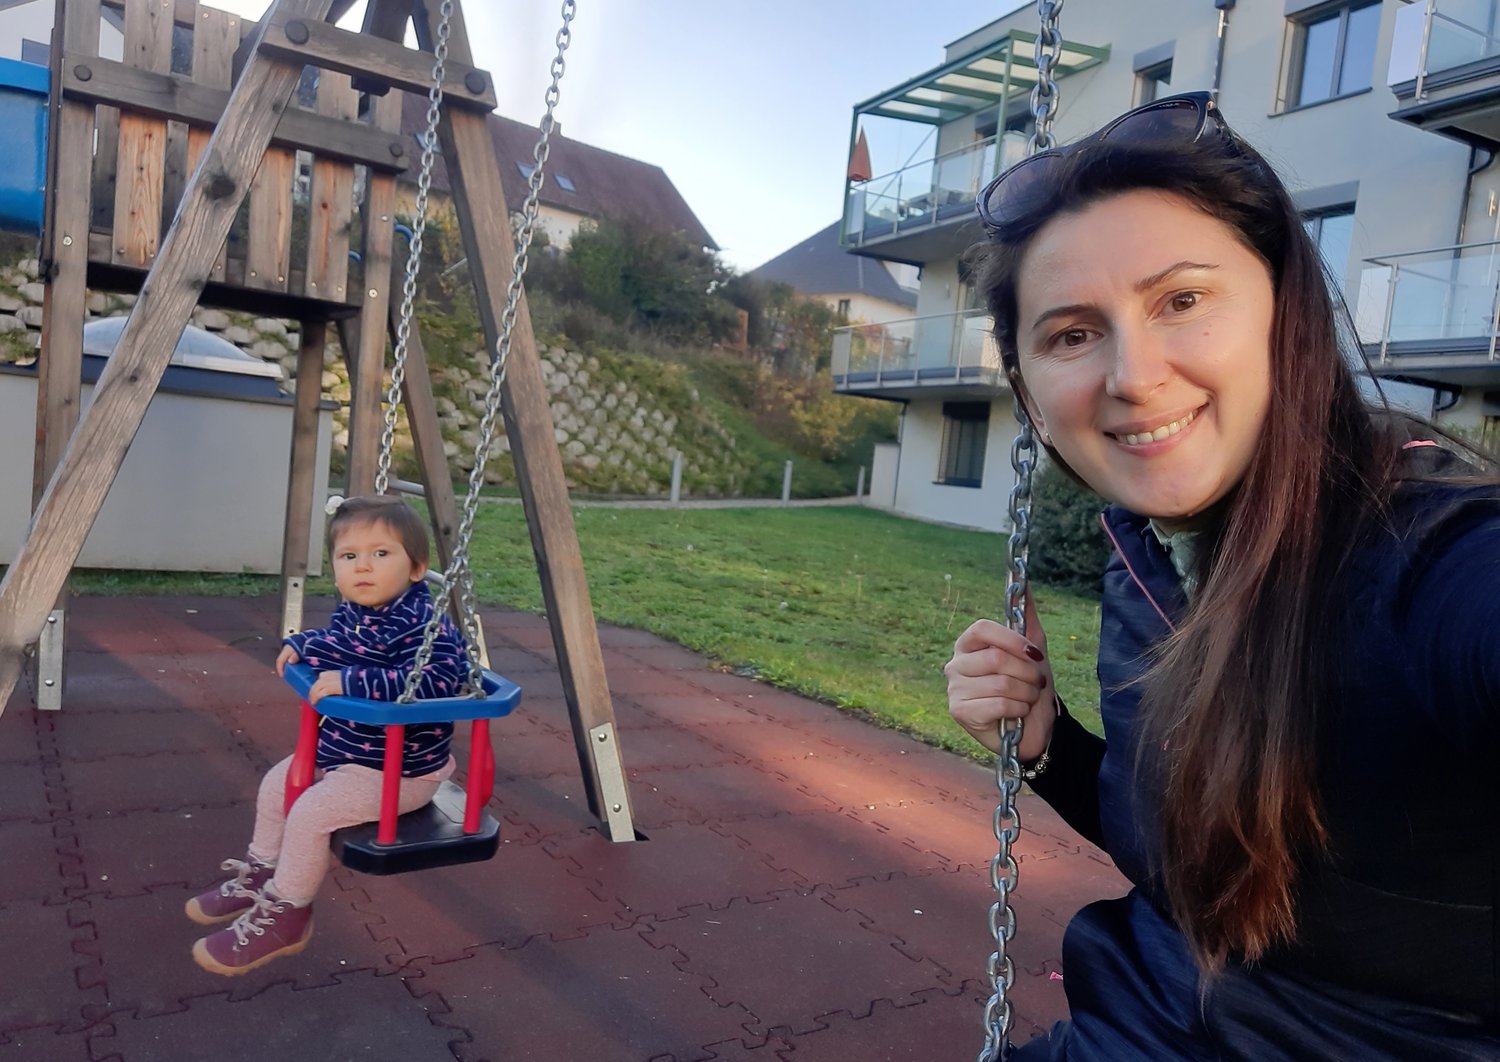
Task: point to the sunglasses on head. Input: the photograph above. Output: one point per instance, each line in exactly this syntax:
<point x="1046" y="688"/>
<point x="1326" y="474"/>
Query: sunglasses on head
<point x="1173" y="120"/>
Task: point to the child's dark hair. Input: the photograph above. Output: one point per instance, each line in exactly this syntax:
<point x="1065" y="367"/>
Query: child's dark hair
<point x="401" y="518"/>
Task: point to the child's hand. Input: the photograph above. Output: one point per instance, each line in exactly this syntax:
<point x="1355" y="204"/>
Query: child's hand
<point x="327" y="684"/>
<point x="288" y="655"/>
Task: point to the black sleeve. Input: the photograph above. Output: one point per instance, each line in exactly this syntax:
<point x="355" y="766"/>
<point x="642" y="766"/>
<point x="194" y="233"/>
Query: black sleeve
<point x="1071" y="781"/>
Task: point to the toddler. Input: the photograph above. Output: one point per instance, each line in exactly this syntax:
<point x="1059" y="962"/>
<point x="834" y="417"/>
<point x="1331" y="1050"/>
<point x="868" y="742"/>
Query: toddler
<point x="378" y="547"/>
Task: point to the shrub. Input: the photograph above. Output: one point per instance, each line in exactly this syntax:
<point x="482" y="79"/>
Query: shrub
<point x="1068" y="546"/>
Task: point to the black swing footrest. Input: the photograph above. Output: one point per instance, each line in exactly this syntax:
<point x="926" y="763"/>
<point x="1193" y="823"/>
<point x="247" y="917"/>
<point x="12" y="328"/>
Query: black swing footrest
<point x="431" y="836"/>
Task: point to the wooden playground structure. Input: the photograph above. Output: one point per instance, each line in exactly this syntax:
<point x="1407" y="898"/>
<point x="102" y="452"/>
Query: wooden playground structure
<point x="208" y="167"/>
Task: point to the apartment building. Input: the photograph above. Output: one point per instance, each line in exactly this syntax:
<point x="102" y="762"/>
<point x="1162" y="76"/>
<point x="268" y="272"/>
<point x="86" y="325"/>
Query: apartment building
<point x="1382" y="116"/>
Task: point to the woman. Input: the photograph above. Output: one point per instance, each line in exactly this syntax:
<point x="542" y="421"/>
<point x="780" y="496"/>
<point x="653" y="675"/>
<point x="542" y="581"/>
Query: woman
<point x="1299" y="655"/>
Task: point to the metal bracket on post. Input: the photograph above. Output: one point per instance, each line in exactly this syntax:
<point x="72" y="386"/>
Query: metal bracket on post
<point x="291" y="607"/>
<point x="611" y="774"/>
<point x="49" y="664"/>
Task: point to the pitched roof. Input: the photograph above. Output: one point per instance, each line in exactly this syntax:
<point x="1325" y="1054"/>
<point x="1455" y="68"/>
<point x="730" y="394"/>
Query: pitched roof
<point x="605" y="185"/>
<point x="820" y="266"/>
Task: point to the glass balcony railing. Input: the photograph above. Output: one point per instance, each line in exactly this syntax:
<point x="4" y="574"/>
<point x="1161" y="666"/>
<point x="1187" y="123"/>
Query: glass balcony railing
<point x="928" y="192"/>
<point x="1441" y="35"/>
<point x="936" y="348"/>
<point x="1445" y="300"/>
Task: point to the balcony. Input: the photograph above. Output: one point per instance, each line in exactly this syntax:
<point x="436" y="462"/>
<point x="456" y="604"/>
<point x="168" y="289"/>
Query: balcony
<point x="942" y="356"/>
<point x="1445" y="69"/>
<point x="924" y="211"/>
<point x="1433" y="317"/>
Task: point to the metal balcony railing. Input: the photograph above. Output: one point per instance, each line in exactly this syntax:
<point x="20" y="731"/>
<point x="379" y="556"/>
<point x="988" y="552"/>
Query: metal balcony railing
<point x="1439" y="35"/>
<point x="933" y="348"/>
<point x="1442" y="300"/>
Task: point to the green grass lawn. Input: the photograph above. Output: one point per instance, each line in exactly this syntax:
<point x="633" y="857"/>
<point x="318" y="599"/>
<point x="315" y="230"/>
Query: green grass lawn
<point x="849" y="605"/>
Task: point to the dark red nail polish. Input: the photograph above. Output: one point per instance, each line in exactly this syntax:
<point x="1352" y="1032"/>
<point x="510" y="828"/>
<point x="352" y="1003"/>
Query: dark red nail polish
<point x="1035" y="653"/>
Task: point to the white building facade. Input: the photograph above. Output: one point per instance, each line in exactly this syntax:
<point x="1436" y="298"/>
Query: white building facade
<point x="1383" y="117"/>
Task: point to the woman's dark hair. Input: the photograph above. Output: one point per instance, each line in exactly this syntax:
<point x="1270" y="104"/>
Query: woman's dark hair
<point x="394" y="513"/>
<point x="1229" y="705"/>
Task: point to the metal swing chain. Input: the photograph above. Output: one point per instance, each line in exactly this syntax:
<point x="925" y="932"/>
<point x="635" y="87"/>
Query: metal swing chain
<point x="414" y="247"/>
<point x="458" y="576"/>
<point x="1004" y="874"/>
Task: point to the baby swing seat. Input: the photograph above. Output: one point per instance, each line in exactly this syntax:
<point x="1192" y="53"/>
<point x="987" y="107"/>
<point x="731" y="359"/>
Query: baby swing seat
<point x="454" y="828"/>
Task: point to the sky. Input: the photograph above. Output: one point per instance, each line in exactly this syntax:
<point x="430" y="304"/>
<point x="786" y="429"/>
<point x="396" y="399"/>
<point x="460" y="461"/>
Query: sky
<point x="746" y="106"/>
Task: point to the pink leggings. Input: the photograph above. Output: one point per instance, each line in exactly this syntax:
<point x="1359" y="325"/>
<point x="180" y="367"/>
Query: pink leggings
<point x="342" y="796"/>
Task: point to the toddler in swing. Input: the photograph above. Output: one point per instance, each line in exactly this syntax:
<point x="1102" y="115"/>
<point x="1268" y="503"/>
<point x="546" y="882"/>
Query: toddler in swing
<point x="379" y="552"/>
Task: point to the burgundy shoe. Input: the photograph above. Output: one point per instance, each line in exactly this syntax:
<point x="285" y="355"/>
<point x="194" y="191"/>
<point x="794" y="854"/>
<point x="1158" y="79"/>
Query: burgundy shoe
<point x="234" y="897"/>
<point x="272" y="928"/>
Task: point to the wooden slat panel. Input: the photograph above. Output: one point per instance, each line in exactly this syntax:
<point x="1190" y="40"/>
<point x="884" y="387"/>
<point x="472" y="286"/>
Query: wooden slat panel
<point x="216" y="34"/>
<point x="485" y="223"/>
<point x="302" y="475"/>
<point x="166" y="97"/>
<point x="331" y="200"/>
<point x="97" y="448"/>
<point x="427" y="439"/>
<point x="269" y="257"/>
<point x="366" y="371"/>
<point x="140" y="174"/>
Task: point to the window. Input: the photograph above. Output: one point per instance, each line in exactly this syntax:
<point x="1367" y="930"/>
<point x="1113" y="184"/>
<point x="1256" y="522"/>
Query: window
<point x="564" y="182"/>
<point x="1333" y="230"/>
<point x="966" y="426"/>
<point x="843" y="310"/>
<point x="1333" y="53"/>
<point x="35" y="52"/>
<point x="1153" y="83"/>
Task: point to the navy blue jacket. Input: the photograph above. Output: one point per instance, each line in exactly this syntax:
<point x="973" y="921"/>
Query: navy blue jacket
<point x="374" y="650"/>
<point x="1398" y="948"/>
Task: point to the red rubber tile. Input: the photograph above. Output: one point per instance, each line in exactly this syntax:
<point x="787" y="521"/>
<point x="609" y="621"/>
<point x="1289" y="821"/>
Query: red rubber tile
<point x="755" y="952"/>
<point x="523" y="892"/>
<point x="33" y="870"/>
<point x="144" y="944"/>
<point x="697" y="709"/>
<point x="641" y="684"/>
<point x="857" y="782"/>
<point x="102" y="734"/>
<point x="534" y="752"/>
<point x="24" y="792"/>
<point x="666" y="655"/>
<point x="607" y="996"/>
<point x="22" y="729"/>
<point x="538" y="808"/>
<point x="121" y="784"/>
<point x="667" y="747"/>
<point x="936" y="1027"/>
<point x="130" y="854"/>
<point x="53" y="992"/>
<point x="46" y="1043"/>
<point x="733" y="792"/>
<point x="679" y="867"/>
<point x="833" y="848"/>
<point x="360" y="1016"/>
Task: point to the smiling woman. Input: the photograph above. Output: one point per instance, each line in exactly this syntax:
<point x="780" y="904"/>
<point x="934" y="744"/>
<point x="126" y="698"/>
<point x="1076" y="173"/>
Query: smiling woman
<point x="1298" y="577"/>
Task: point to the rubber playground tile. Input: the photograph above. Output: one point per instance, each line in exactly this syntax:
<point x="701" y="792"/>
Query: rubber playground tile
<point x="360" y="1015"/>
<point x="534" y="752"/>
<point x="953" y="833"/>
<point x="732" y="791"/>
<point x="88" y="690"/>
<point x="539" y="808"/>
<point x="46" y="1043"/>
<point x="22" y="729"/>
<point x="130" y="854"/>
<point x="34" y="871"/>
<point x="768" y="742"/>
<point x="24" y="792"/>
<point x="943" y="917"/>
<point x="666" y="747"/>
<point x="833" y="848"/>
<point x="523" y="892"/>
<point x="268" y="726"/>
<point x="161" y="782"/>
<point x="47" y="965"/>
<point x="696" y="709"/>
<point x="856" y="782"/>
<point x="144" y="944"/>
<point x="103" y="735"/>
<point x="937" y="1026"/>
<point x="681" y="866"/>
<point x="753" y="952"/>
<point x="641" y="684"/>
<point x="667" y="656"/>
<point x="608" y="995"/>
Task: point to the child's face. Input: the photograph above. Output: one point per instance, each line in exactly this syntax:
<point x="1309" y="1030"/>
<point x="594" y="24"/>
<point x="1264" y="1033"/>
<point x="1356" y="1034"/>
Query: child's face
<point x="370" y="566"/>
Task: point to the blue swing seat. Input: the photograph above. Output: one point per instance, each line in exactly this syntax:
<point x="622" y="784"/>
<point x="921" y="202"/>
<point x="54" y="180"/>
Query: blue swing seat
<point x="433" y="835"/>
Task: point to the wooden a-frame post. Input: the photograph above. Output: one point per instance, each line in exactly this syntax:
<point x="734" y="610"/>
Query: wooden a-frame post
<point x="292" y="34"/>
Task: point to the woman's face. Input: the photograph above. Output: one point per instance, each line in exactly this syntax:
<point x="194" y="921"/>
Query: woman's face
<point x="1144" y="331"/>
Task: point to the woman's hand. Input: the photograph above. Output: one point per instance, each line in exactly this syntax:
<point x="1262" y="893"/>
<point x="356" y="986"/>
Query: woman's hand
<point x="288" y="655"/>
<point x="996" y="674"/>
